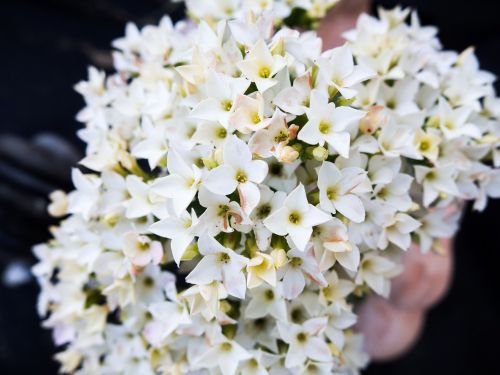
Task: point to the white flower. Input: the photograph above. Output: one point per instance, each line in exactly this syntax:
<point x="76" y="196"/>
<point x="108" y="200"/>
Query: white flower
<point x="296" y="218"/>
<point x="338" y="190"/>
<point x="267" y="300"/>
<point x="295" y="99"/>
<point x="261" y="268"/>
<point x="300" y="264"/>
<point x="255" y="365"/>
<point x="167" y="316"/>
<point x="141" y="202"/>
<point x="204" y="299"/>
<point x="260" y="66"/>
<point x="154" y="147"/>
<point x="436" y="181"/>
<point x="249" y="113"/>
<point x="238" y="171"/>
<point x="181" y="184"/>
<point x="219" y="264"/>
<point x="219" y="212"/>
<point x="376" y="271"/>
<point x="224" y="355"/>
<point x="396" y="193"/>
<point x="181" y="230"/>
<point x="221" y="92"/>
<point x="141" y="250"/>
<point x="398" y="231"/>
<point x="272" y="140"/>
<point x="305" y="341"/>
<point x="269" y="202"/>
<point x="86" y="195"/>
<point x="436" y="224"/>
<point x="328" y="123"/>
<point x="337" y="67"/>
<point x="453" y="122"/>
<point x="331" y="244"/>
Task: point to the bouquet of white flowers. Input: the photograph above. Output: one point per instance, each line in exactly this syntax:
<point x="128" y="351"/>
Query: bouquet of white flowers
<point x="243" y="190"/>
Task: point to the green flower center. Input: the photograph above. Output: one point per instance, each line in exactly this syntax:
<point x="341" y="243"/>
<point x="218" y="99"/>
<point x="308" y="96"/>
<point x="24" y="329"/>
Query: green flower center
<point x="224" y="258"/>
<point x="301" y="337"/>
<point x="226" y="105"/>
<point x="294" y="218"/>
<point x="264" y="72"/>
<point x="241" y="177"/>
<point x="324" y="127"/>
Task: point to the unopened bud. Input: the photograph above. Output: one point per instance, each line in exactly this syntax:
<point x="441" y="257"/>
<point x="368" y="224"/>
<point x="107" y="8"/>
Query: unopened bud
<point x="59" y="203"/>
<point x="373" y="120"/>
<point x="279" y="257"/>
<point x="320" y="153"/>
<point x="218" y="156"/>
<point x="288" y="155"/>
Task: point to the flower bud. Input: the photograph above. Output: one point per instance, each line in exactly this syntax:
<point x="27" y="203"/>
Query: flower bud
<point x="59" y="203"/>
<point x="320" y="153"/>
<point x="279" y="257"/>
<point x="288" y="154"/>
<point x="373" y="120"/>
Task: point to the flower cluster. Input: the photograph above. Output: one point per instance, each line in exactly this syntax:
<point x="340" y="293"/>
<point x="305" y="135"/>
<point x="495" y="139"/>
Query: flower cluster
<point x="242" y="190"/>
<point x="305" y="13"/>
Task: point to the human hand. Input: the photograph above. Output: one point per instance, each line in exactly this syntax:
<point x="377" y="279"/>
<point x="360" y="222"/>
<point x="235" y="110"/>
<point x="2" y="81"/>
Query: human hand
<point x="341" y="18"/>
<point x="391" y="326"/>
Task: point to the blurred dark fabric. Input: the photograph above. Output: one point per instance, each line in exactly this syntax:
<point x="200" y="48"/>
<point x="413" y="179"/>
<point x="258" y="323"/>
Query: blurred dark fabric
<point x="46" y="48"/>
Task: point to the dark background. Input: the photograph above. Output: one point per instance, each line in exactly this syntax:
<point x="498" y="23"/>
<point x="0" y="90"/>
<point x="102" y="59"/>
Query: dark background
<point x="46" y="46"/>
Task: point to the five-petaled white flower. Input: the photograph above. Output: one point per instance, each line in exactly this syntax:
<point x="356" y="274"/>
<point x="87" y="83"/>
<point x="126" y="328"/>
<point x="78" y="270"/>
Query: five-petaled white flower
<point x="339" y="190"/>
<point x="238" y="171"/>
<point x="141" y="250"/>
<point x="305" y="341"/>
<point x="181" y="230"/>
<point x="181" y="184"/>
<point x="296" y="218"/>
<point x="219" y="263"/>
<point x="338" y="69"/>
<point x="225" y="355"/>
<point x="328" y="123"/>
<point x="260" y="66"/>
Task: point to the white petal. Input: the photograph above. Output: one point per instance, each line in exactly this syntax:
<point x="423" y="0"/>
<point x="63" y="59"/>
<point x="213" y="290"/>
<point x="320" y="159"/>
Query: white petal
<point x="351" y="207"/>
<point x="236" y="151"/>
<point x="297" y="200"/>
<point x="349" y="259"/>
<point x="340" y="142"/>
<point x="300" y="236"/>
<point x="257" y="171"/>
<point x="205" y="271"/>
<point x="315" y="216"/>
<point x="221" y="180"/>
<point x="179" y="245"/>
<point x="209" y="245"/>
<point x="234" y="281"/>
<point x="249" y="196"/>
<point x="310" y="133"/>
<point x="277" y="221"/>
<point x="176" y="165"/>
<point x="293" y="283"/>
<point x="168" y="228"/>
<point x="317" y="349"/>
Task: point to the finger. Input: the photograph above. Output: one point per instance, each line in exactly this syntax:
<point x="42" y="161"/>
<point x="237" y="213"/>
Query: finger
<point x="388" y="331"/>
<point x="425" y="280"/>
<point x="341" y="18"/>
